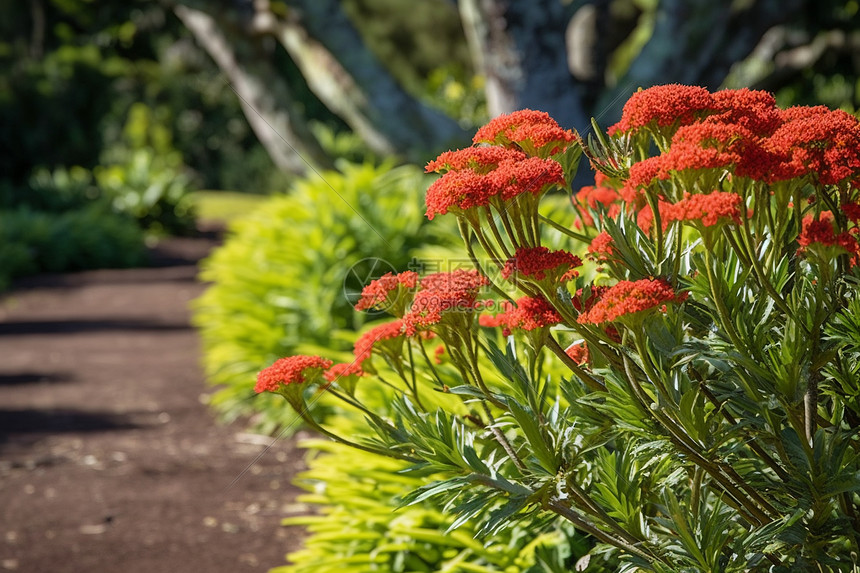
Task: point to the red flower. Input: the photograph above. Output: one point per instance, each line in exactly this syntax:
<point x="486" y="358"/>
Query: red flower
<point x="384" y="291"/>
<point x="535" y="132"/>
<point x="438" y="353"/>
<point x="817" y="140"/>
<point x="707" y="145"/>
<point x="600" y="250"/>
<point x="459" y="190"/>
<point x="707" y="209"/>
<point x="343" y="370"/>
<point x="591" y="196"/>
<point x="534" y="175"/>
<point x="578" y="353"/>
<point x="598" y="194"/>
<point x="645" y="216"/>
<point x="364" y="346"/>
<point x="493" y="321"/>
<point x="585" y="304"/>
<point x="532" y="313"/>
<point x="852" y="211"/>
<point x="441" y="293"/>
<point x="642" y="173"/>
<point x="462" y="190"/>
<point x="754" y="110"/>
<point x="537" y="262"/>
<point x="630" y="297"/>
<point x="478" y="159"/>
<point x="291" y="370"/>
<point x="529" y="313"/>
<point x="663" y="106"/>
<point x="821" y="231"/>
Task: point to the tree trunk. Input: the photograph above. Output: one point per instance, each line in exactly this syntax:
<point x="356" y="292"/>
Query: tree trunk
<point x="519" y="46"/>
<point x="353" y="84"/>
<point x="696" y="42"/>
<point x="265" y="98"/>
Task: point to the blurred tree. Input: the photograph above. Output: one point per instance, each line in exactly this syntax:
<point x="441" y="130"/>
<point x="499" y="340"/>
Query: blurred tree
<point x="338" y="66"/>
<point x="574" y="59"/>
<point x="70" y="70"/>
<point x="256" y="86"/>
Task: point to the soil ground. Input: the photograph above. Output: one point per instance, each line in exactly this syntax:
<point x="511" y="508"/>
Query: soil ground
<point x="109" y="459"/>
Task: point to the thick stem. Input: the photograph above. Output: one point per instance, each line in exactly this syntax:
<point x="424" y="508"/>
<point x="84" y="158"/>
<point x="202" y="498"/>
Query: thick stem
<point x="566" y="512"/>
<point x="303" y="413"/>
<point x="502" y="440"/>
<point x="590" y="381"/>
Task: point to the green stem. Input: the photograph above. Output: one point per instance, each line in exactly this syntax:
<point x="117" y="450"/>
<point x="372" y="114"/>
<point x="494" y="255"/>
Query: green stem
<point x="303" y="413"/>
<point x="695" y="489"/>
<point x="414" y="386"/>
<point x="589" y="380"/>
<point x="430" y="363"/>
<point x="722" y="311"/>
<point x="768" y="459"/>
<point x="597" y="511"/>
<point x="491" y="222"/>
<point x="562" y="229"/>
<point x="502" y="440"/>
<point x="557" y="506"/>
<point x="465" y="232"/>
<point x="645" y="356"/>
<point x="746" y="240"/>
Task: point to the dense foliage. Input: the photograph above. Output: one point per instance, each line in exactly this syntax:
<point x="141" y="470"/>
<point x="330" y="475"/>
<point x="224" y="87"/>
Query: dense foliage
<point x="708" y="418"/>
<point x="32" y="242"/>
<point x="358" y="526"/>
<point x="287" y="275"/>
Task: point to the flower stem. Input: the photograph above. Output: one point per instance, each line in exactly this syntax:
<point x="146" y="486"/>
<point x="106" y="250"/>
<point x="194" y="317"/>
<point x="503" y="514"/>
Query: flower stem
<point x="589" y="380"/>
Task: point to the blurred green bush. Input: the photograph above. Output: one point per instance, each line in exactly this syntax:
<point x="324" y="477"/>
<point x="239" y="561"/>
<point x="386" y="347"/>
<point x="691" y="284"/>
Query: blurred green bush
<point x="144" y="176"/>
<point x="286" y="277"/>
<point x="87" y="238"/>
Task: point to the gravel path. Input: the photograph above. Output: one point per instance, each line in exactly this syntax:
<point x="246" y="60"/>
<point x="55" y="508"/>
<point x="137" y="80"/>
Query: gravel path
<point x="109" y="460"/>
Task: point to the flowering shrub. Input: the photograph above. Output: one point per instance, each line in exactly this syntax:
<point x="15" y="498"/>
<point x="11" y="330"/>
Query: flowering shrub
<point x="706" y="314"/>
<point x="267" y="298"/>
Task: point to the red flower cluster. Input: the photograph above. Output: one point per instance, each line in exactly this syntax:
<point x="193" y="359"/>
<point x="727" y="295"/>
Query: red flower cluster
<point x="383" y="292"/>
<point x="343" y="370"/>
<point x="708" y="209"/>
<point x="817" y="140"/>
<point x="290" y="370"/>
<point x="479" y="159"/>
<point x="630" y="297"/>
<point x="364" y="345"/>
<point x="821" y="231"/>
<point x="441" y="293"/>
<point x="851" y="211"/>
<point x="601" y="193"/>
<point x="578" y="353"/>
<point x="466" y="188"/>
<point x="600" y="250"/>
<point x="663" y="106"/>
<point x="538" y="262"/>
<point x="438" y="354"/>
<point x="707" y="145"/>
<point x="743" y="132"/>
<point x="535" y="132"/>
<point x="585" y="303"/>
<point x="530" y="313"/>
<point x="754" y="110"/>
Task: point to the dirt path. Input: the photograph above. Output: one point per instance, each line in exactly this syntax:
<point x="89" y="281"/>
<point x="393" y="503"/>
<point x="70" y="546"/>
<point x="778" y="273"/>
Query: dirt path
<point x="109" y="461"/>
